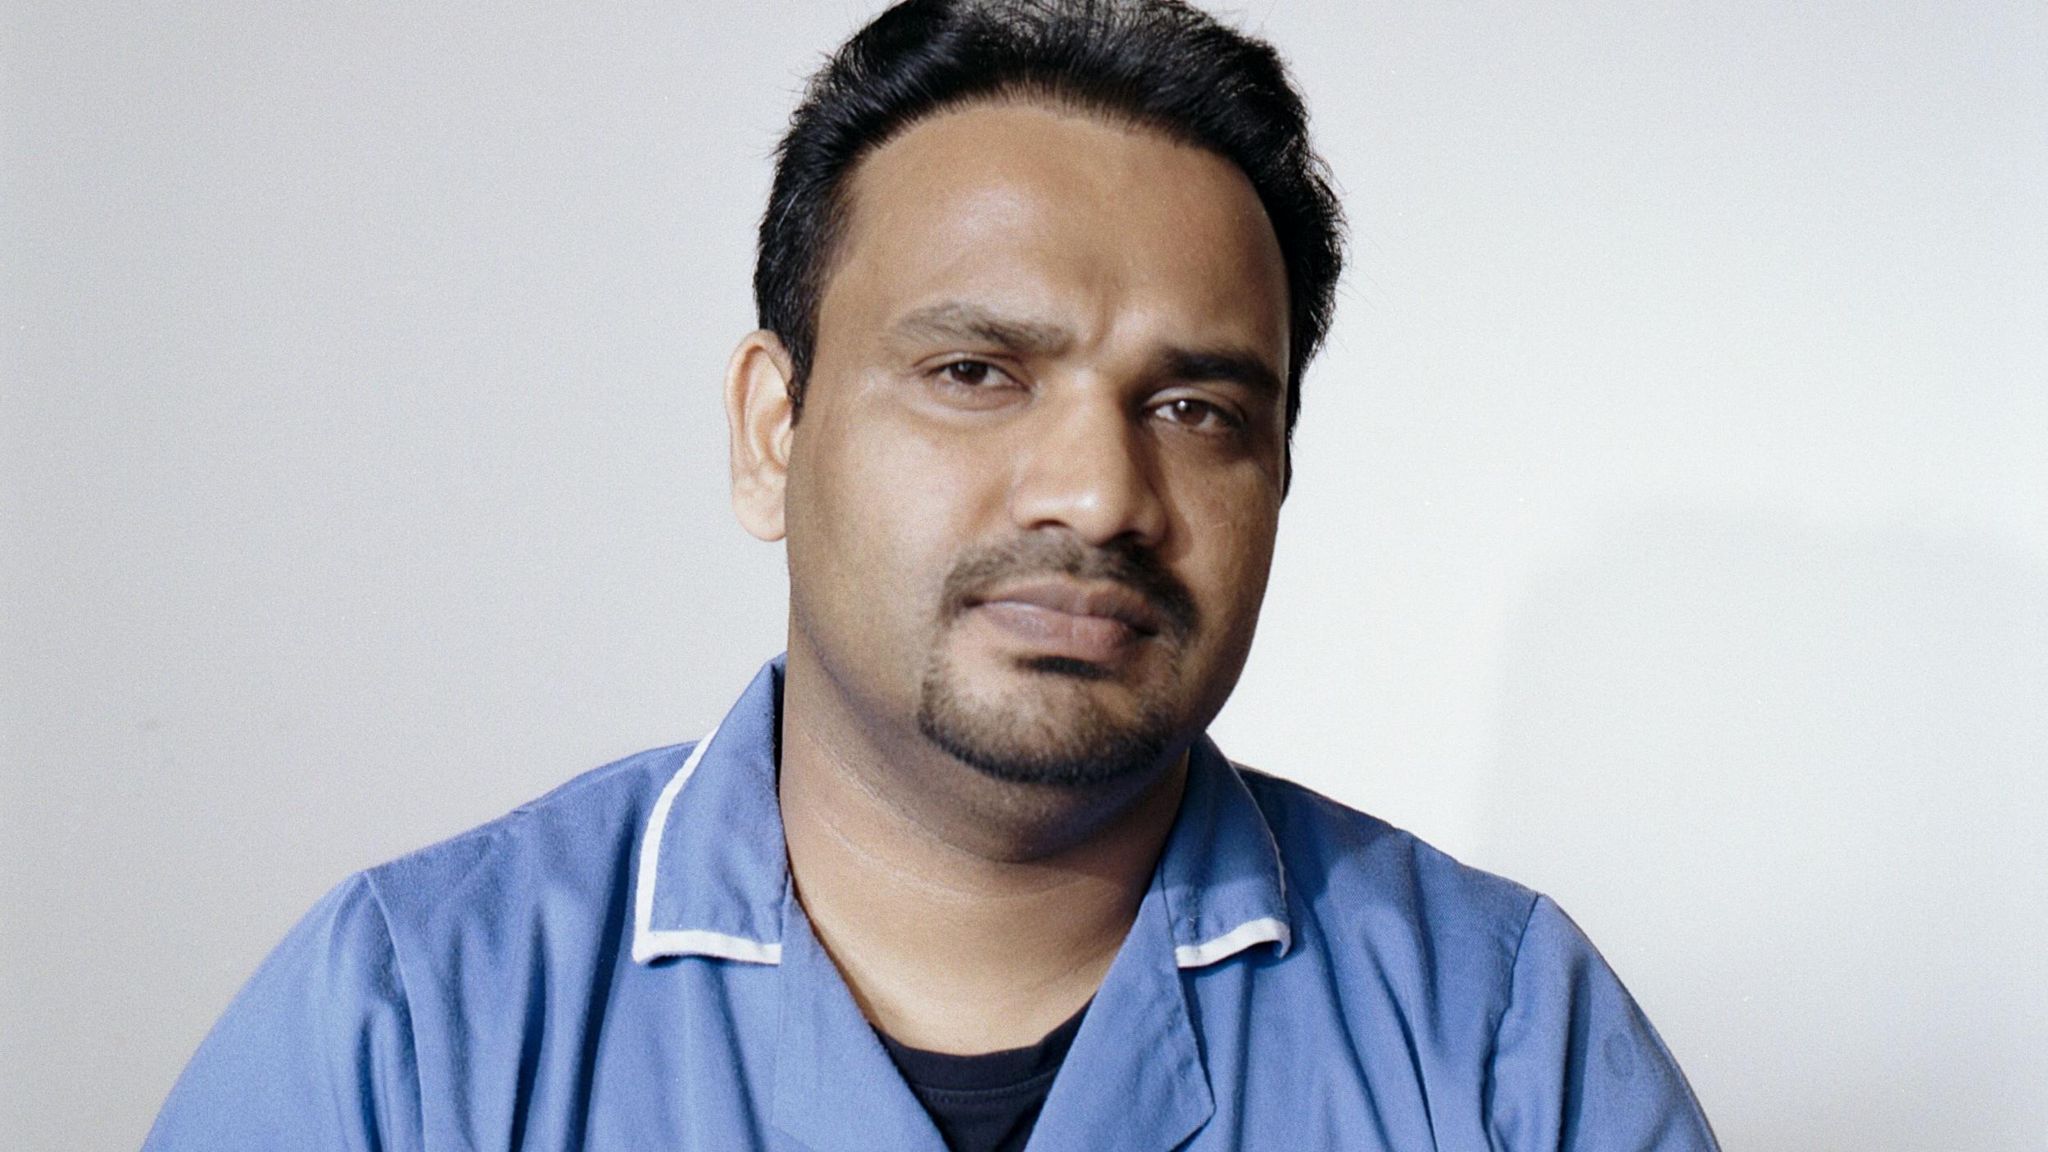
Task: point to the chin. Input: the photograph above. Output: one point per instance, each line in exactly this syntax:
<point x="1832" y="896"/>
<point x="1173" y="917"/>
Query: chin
<point x="1052" y="730"/>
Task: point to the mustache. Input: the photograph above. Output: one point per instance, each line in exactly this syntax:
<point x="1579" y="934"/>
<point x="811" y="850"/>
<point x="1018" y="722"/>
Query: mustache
<point x="1132" y="565"/>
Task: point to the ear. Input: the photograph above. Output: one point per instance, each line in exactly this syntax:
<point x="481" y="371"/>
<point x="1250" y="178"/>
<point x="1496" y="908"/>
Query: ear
<point x="759" y="416"/>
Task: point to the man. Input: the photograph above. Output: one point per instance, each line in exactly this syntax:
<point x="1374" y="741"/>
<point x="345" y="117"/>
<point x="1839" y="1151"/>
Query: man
<point x="1037" y="284"/>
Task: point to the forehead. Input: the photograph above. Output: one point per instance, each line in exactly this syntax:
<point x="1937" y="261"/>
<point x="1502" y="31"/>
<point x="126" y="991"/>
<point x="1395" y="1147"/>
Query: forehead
<point x="1052" y="210"/>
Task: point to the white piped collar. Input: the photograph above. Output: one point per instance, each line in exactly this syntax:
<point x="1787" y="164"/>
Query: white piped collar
<point x="712" y="876"/>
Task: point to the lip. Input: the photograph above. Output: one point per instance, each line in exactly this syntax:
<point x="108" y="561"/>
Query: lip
<point x="1110" y="602"/>
<point x="1091" y="623"/>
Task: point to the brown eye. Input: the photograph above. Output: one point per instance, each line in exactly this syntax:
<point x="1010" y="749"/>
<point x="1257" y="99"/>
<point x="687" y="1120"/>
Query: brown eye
<point x="1195" y="414"/>
<point x="972" y="373"/>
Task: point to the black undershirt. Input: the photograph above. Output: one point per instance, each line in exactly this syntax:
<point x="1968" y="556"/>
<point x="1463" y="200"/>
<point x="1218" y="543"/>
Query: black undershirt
<point x="986" y="1102"/>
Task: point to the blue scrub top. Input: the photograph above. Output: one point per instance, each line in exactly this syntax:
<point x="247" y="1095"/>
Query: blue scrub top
<point x="622" y="964"/>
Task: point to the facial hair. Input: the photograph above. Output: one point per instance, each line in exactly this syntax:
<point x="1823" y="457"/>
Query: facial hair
<point x="1074" y="745"/>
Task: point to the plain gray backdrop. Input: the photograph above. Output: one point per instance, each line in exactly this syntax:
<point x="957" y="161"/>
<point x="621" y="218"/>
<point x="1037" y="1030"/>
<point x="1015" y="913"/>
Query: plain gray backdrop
<point x="1669" y="532"/>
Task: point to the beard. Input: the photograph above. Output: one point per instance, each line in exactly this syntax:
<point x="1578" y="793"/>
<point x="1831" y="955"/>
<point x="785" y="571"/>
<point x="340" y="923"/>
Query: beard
<point x="1062" y="736"/>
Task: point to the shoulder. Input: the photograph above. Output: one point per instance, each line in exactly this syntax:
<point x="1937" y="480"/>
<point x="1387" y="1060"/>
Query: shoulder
<point x="1367" y="886"/>
<point x="560" y="861"/>
<point x="369" y="984"/>
<point x="1514" y="996"/>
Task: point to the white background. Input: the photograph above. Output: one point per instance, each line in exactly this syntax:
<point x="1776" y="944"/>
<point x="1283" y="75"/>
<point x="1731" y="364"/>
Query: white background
<point x="1670" y="527"/>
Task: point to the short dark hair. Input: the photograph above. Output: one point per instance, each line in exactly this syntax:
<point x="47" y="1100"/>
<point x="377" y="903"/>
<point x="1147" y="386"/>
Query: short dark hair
<point x="1161" y="64"/>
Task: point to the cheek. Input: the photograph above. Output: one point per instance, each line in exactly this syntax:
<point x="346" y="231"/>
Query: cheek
<point x="1231" y="532"/>
<point x="885" y="509"/>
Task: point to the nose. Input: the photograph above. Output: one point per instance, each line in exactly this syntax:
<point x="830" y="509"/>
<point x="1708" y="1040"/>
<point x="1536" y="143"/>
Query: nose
<point x="1086" y="469"/>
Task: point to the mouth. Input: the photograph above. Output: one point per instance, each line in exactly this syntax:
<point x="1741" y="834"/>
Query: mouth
<point x="1112" y="603"/>
<point x="1090" y="622"/>
<point x="1044" y="602"/>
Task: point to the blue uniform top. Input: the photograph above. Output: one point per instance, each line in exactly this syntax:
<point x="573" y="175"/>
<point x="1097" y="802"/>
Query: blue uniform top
<point x="622" y="965"/>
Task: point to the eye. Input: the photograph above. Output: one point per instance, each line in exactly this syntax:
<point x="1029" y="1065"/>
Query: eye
<point x="973" y="384"/>
<point x="971" y="373"/>
<point x="1197" y="415"/>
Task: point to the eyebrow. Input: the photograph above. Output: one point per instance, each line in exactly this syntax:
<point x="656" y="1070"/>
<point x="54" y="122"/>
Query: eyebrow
<point x="956" y="321"/>
<point x="1225" y="365"/>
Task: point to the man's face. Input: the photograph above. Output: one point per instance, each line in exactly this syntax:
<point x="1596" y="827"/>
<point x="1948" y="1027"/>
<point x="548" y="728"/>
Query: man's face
<point x="1033" y="492"/>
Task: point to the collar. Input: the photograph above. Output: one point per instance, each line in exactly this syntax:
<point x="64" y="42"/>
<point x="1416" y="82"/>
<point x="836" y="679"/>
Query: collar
<point x="713" y="874"/>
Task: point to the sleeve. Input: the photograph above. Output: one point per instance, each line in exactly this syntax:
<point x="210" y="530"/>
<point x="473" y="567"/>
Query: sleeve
<point x="1576" y="1066"/>
<point x="315" y="1054"/>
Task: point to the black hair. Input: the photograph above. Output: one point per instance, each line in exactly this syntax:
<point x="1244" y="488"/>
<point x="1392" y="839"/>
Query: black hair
<point x="1160" y="64"/>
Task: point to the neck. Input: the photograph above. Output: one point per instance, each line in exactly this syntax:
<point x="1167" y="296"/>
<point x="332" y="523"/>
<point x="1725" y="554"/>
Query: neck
<point x="966" y="914"/>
